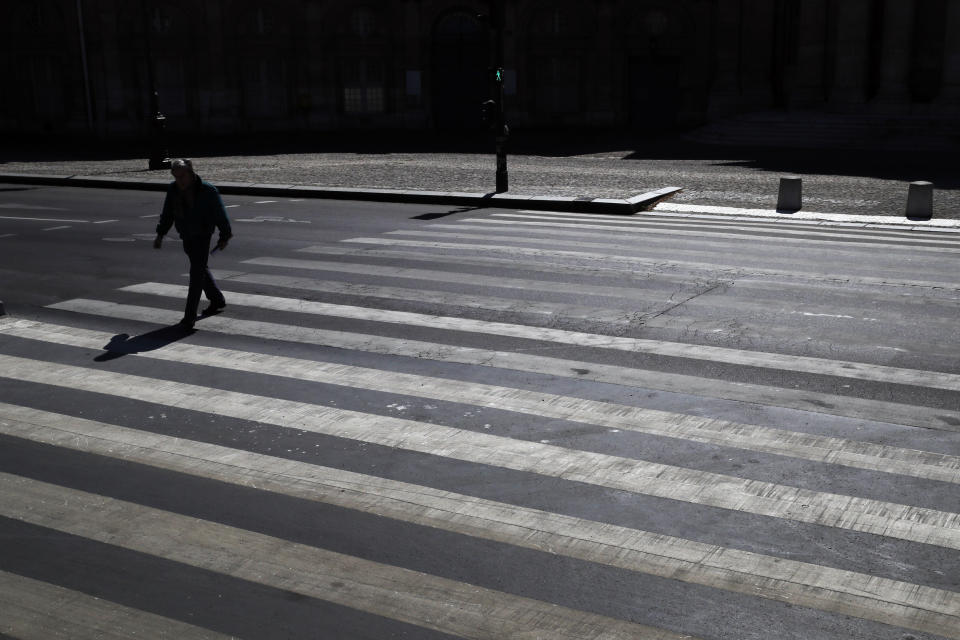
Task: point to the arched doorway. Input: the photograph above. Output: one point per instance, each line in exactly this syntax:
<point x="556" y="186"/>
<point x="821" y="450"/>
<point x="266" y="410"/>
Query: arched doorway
<point x="459" y="72"/>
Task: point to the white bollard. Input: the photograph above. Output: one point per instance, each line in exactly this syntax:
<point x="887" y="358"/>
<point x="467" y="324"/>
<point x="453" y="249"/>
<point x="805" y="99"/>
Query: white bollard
<point x="920" y="200"/>
<point x="790" y="197"/>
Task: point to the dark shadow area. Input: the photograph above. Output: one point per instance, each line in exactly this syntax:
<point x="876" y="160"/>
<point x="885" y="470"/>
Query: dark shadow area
<point x="122" y="344"/>
<point x="17" y="188"/>
<point x="444" y="214"/>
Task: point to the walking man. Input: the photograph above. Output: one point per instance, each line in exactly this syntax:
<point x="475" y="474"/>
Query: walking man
<point x="194" y="207"/>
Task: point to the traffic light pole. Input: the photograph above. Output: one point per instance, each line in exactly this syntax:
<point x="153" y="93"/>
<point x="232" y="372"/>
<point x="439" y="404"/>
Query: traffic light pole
<point x="502" y="131"/>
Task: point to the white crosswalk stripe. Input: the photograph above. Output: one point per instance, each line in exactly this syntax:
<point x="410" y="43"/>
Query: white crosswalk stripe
<point x="857" y="370"/>
<point x="36" y="610"/>
<point x="928" y="526"/>
<point x="835" y="450"/>
<point x="539" y="336"/>
<point x="436" y="297"/>
<point x="929" y="417"/>
<point x="722" y="231"/>
<point x="401" y="594"/>
<point x="629" y="262"/>
<point x="438" y="275"/>
<point x="810" y="585"/>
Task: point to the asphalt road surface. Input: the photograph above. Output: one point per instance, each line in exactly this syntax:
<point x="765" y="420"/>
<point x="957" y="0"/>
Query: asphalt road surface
<point x="430" y="422"/>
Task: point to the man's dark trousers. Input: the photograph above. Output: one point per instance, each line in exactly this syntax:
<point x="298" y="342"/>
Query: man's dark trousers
<point x="197" y="249"/>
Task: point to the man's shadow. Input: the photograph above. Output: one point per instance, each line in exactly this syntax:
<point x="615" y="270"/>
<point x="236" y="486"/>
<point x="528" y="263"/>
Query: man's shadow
<point x="122" y="344"/>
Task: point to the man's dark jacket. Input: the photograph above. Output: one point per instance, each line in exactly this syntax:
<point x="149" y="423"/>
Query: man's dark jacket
<point x="206" y="214"/>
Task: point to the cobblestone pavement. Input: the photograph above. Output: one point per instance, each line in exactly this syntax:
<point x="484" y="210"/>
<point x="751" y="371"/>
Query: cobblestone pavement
<point x="868" y="184"/>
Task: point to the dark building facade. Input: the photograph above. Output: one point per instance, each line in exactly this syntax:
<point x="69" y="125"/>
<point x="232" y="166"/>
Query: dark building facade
<point x="229" y="66"/>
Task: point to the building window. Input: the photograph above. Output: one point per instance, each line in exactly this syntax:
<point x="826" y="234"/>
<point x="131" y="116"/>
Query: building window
<point x="161" y="21"/>
<point x="265" y="90"/>
<point x="362" y="22"/>
<point x="558" y="83"/>
<point x="552" y="23"/>
<point x="258" y="22"/>
<point x="49" y="97"/>
<point x="36" y="17"/>
<point x="363" y="90"/>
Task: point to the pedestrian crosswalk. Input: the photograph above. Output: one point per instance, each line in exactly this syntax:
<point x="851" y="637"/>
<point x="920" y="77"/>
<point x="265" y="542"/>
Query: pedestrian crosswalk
<point x="512" y="425"/>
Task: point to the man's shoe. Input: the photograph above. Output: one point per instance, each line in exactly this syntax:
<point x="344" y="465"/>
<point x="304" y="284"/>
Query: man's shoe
<point x="187" y="323"/>
<point x="214" y="307"/>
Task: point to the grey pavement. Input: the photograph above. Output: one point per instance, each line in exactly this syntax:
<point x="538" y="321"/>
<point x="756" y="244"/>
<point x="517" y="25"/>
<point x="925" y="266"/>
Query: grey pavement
<point x="851" y="183"/>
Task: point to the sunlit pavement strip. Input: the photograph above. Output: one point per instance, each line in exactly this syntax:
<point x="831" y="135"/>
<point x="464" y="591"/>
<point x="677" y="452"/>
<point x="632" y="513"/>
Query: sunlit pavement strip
<point x="446" y="298"/>
<point x="806" y="215"/>
<point x="632" y="273"/>
<point x="575" y="231"/>
<point x="627" y="274"/>
<point x="620" y="244"/>
<point x="905" y="522"/>
<point x="632" y="289"/>
<point x="805" y="584"/>
<point x="901" y="414"/>
<point x="34" y="207"/>
<point x="618" y="262"/>
<point x="715" y="229"/>
<point x="637" y="306"/>
<point x="839" y="451"/>
<point x="43" y="219"/>
<point x="440" y="275"/>
<point x="805" y="364"/>
<point x="401" y="594"/>
<point x="35" y="610"/>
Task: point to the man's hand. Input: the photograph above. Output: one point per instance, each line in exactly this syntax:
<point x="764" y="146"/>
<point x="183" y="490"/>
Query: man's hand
<point x="222" y="244"/>
<point x="158" y="241"/>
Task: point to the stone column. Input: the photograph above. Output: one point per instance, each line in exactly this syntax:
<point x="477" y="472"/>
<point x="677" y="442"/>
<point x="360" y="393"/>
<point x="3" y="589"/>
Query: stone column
<point x="808" y="89"/>
<point x="725" y="93"/>
<point x="411" y="107"/>
<point x="695" y="78"/>
<point x="949" y="98"/>
<point x="848" y="92"/>
<point x="121" y="105"/>
<point x="211" y="86"/>
<point x="894" y="91"/>
<point x="600" y="86"/>
<point x="756" y="66"/>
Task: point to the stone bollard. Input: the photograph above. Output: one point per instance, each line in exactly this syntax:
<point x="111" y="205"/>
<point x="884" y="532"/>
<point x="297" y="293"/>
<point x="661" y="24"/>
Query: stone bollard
<point x="790" y="197"/>
<point x="920" y="200"/>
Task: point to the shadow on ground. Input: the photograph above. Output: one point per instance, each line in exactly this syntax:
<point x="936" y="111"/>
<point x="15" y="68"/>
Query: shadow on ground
<point x="122" y="344"/>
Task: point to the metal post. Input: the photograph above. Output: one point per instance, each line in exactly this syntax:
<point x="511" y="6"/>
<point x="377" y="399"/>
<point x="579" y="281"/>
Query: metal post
<point x="159" y="156"/>
<point x="502" y="133"/>
<point x="920" y="200"/>
<point x="790" y="195"/>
